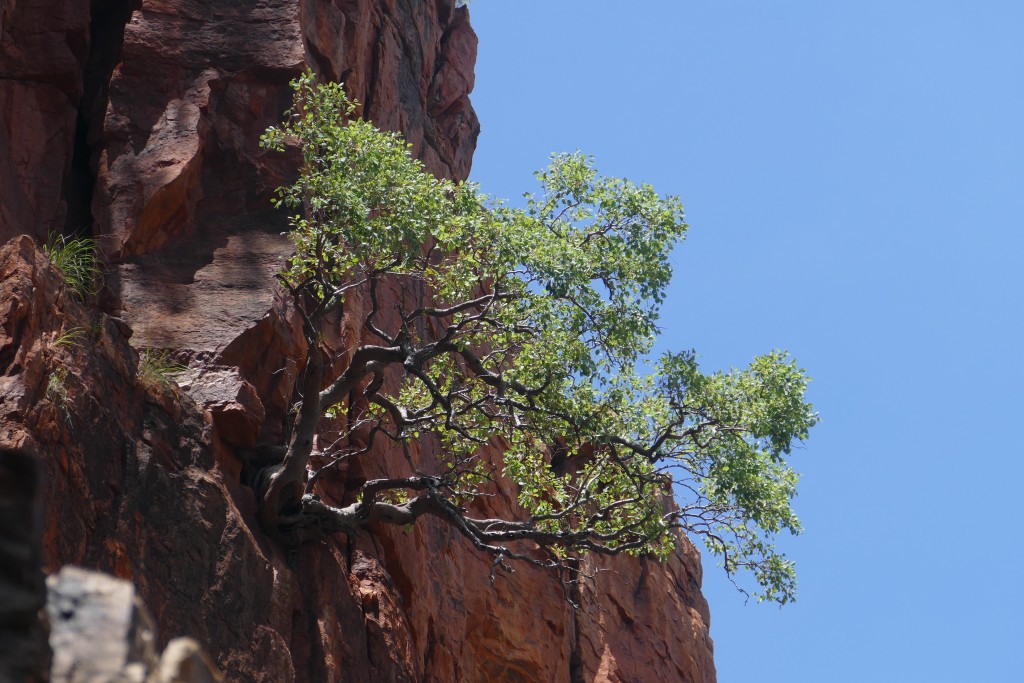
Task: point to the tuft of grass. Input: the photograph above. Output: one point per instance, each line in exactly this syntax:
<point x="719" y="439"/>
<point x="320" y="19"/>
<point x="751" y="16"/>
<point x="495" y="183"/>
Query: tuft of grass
<point x="69" y="339"/>
<point x="57" y="392"/>
<point x="56" y="386"/>
<point x="75" y="258"/>
<point x="57" y="383"/>
<point x="157" y="368"/>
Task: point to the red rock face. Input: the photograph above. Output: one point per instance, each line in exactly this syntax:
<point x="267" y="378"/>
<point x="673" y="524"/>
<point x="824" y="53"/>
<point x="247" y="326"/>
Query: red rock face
<point x="143" y="120"/>
<point x="43" y="50"/>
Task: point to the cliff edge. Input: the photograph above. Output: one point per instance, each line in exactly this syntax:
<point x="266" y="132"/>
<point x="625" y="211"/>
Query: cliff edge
<point x="137" y="122"/>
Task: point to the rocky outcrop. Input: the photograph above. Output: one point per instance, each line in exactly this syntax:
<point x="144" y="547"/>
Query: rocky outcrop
<point x="131" y="483"/>
<point x="102" y="633"/>
<point x="94" y="629"/>
<point x="141" y="119"/>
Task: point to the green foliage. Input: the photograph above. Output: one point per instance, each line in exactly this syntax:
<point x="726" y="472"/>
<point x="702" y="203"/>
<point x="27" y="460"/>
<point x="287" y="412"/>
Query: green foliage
<point x="75" y="258"/>
<point x="57" y="393"/>
<point x="56" y="386"/>
<point x="365" y="204"/>
<point x="70" y="338"/>
<point x="157" y="369"/>
<point x="531" y="328"/>
<point x="57" y="383"/>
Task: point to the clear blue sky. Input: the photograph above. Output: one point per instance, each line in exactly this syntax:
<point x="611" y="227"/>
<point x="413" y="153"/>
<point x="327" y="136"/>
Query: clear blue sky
<point x="853" y="174"/>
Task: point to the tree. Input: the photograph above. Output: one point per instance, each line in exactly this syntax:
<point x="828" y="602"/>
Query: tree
<point x="532" y="342"/>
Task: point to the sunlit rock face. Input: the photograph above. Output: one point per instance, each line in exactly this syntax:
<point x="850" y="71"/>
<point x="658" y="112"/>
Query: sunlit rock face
<point x="139" y="121"/>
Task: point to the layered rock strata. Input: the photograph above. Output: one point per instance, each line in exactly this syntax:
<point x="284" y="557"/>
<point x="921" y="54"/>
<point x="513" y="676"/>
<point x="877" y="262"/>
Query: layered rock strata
<point x="138" y="122"/>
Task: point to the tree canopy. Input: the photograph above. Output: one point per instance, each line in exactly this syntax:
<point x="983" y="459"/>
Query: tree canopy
<point x="532" y="338"/>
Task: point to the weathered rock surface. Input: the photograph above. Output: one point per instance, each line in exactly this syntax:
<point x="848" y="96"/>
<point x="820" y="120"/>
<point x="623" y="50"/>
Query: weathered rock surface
<point x="102" y="633"/>
<point x="154" y="142"/>
<point x="645" y="621"/>
<point x="184" y="661"/>
<point x="43" y="51"/>
<point x="131" y="482"/>
<point x="99" y="631"/>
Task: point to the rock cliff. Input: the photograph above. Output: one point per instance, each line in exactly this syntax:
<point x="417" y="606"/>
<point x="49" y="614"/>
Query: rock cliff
<point x="137" y="121"/>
